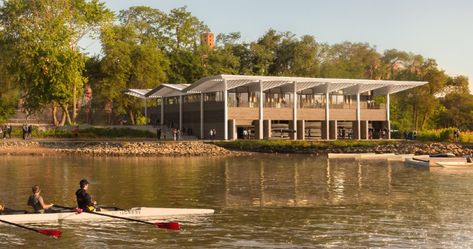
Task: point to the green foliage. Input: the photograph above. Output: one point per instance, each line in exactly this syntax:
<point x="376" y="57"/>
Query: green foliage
<point x="466" y="137"/>
<point x="447" y="135"/>
<point x="443" y="135"/>
<point x="144" y="47"/>
<point x="42" y="37"/>
<point x="115" y="133"/>
<point x="429" y="135"/>
<point x="68" y="132"/>
<point x="290" y="145"/>
<point x="132" y="60"/>
<point x="142" y="120"/>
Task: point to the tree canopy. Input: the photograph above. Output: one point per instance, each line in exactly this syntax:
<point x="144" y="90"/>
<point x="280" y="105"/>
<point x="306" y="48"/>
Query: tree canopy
<point x="143" y="47"/>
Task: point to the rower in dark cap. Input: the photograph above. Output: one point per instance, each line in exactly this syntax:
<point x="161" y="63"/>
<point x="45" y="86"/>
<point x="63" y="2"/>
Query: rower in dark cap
<point x="84" y="200"/>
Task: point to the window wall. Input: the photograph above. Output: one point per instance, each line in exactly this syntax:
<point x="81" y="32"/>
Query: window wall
<point x="311" y="101"/>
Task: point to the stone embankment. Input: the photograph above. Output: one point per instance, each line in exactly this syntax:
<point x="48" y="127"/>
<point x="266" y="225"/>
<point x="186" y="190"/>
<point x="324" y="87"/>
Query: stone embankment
<point x="400" y="147"/>
<point x="195" y="148"/>
<point x="408" y="148"/>
<point x="98" y="148"/>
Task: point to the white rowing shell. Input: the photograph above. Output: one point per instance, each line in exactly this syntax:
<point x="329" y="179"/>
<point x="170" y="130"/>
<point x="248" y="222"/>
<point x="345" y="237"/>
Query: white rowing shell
<point x="135" y="212"/>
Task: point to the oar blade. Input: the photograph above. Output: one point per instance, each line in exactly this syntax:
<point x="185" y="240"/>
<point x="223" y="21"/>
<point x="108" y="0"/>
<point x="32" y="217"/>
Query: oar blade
<point x="168" y="225"/>
<point x="50" y="232"/>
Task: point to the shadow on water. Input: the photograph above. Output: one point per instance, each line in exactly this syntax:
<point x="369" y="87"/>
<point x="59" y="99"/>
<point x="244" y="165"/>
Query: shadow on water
<point x="267" y="201"/>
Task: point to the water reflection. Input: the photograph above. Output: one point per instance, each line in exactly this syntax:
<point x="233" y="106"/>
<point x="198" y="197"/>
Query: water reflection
<point x="309" y="182"/>
<point x="275" y="201"/>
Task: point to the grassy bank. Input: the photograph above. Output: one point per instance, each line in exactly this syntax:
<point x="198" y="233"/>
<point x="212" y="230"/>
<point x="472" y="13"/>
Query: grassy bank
<point x="86" y="133"/>
<point x="289" y="145"/>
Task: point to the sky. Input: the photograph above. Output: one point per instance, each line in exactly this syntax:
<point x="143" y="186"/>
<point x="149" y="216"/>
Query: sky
<point x="438" y="29"/>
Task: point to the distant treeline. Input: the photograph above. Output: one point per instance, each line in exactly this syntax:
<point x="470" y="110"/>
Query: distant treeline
<point x="42" y="64"/>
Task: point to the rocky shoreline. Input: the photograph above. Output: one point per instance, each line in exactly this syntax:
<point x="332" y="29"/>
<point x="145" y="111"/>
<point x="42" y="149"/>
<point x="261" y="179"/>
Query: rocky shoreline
<point x="112" y="148"/>
<point x="397" y="147"/>
<point x="198" y="148"/>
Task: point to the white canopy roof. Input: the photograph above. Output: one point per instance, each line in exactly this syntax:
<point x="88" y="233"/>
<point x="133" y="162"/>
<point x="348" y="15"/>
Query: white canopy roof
<point x="167" y="90"/>
<point x="276" y="84"/>
<point x="317" y="85"/>
<point x="139" y="93"/>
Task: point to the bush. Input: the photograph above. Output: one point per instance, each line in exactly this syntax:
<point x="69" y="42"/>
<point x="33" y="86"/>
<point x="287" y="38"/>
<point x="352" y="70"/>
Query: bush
<point x="85" y="133"/>
<point x="443" y="135"/>
<point x="291" y="145"/>
<point x="115" y="133"/>
<point x="428" y="135"/>
<point x="466" y="137"/>
<point x="447" y="135"/>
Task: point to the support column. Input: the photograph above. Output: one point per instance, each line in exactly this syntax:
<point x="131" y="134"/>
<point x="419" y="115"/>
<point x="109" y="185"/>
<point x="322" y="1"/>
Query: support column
<point x="225" y="110"/>
<point x="261" y="112"/>
<point x="202" y="134"/>
<point x="333" y="129"/>
<point x="325" y="130"/>
<point x="300" y="129"/>
<point x="267" y="129"/>
<point x="358" y="117"/>
<point x="146" y="111"/>
<point x="327" y="116"/>
<point x="294" y="110"/>
<point x="364" y="129"/>
<point x="180" y="113"/>
<point x="162" y="110"/>
<point x="232" y="129"/>
<point x="388" y="115"/>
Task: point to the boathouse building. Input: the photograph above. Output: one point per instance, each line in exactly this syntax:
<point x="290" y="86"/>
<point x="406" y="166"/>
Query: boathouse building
<point x="266" y="107"/>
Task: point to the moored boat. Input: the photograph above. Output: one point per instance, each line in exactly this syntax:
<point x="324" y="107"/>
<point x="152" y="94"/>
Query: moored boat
<point x="456" y="165"/>
<point x="417" y="162"/>
<point x="136" y="212"/>
<point x="435" y="160"/>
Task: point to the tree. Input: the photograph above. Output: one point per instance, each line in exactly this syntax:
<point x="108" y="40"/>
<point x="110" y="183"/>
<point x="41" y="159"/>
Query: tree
<point x="457" y="112"/>
<point x="263" y="52"/>
<point x="42" y="36"/>
<point x="132" y="59"/>
<point x="9" y="91"/>
<point x="351" y="60"/>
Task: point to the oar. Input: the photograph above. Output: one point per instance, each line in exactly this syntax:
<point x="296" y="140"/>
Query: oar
<point x="49" y="232"/>
<point x="166" y="225"/>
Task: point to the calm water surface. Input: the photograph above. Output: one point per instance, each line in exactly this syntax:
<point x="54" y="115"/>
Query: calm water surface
<point x="261" y="202"/>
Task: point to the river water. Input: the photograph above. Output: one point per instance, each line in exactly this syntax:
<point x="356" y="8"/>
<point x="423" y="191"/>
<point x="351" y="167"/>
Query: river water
<point x="268" y="201"/>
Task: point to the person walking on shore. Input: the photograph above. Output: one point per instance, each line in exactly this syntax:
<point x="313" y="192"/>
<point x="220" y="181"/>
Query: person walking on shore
<point x="9" y="130"/>
<point x="158" y="133"/>
<point x="24" y="131"/>
<point x="211" y="134"/>
<point x="174" y="134"/>
<point x="30" y="130"/>
<point x="456" y="135"/>
<point x="36" y="201"/>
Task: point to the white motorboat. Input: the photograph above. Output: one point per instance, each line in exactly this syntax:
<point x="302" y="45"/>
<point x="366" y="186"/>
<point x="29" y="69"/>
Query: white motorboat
<point x="136" y="212"/>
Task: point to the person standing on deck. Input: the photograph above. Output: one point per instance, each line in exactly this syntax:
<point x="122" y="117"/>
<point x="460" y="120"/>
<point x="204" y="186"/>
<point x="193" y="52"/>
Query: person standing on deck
<point x="84" y="200"/>
<point x="36" y="201"/>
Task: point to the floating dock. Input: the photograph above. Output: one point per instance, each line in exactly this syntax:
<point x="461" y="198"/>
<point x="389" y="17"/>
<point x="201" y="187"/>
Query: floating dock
<point x="388" y="156"/>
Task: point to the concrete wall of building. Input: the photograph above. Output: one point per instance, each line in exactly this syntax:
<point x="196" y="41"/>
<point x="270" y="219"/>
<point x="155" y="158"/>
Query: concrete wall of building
<point x="373" y="114"/>
<point x="310" y="114"/>
<point x="213" y="118"/>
